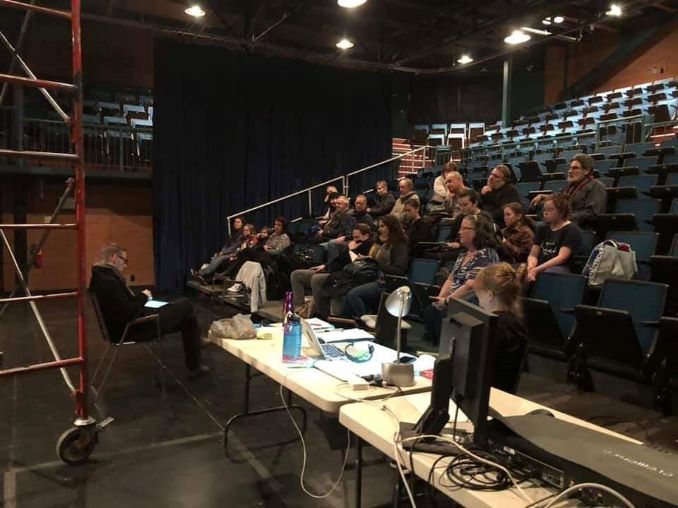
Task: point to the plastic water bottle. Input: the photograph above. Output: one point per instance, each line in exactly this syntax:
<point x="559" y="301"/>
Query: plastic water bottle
<point x="288" y="307"/>
<point x="292" y="340"/>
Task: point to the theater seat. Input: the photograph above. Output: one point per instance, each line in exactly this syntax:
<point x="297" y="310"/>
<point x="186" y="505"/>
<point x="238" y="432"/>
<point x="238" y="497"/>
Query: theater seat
<point x="619" y="335"/>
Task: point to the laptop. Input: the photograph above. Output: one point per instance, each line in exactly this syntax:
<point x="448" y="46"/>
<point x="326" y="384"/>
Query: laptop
<point x="324" y="351"/>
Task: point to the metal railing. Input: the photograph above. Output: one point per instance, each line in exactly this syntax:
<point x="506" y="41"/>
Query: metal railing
<point x="345" y="185"/>
<point x="107" y="147"/>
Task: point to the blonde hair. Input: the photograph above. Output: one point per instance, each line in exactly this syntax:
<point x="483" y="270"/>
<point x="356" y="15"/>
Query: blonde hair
<point x="506" y="283"/>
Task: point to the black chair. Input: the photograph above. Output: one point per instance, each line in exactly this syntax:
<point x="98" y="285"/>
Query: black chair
<point x="127" y="339"/>
<point x="664" y="269"/>
<point x="548" y="314"/>
<point x="619" y="335"/>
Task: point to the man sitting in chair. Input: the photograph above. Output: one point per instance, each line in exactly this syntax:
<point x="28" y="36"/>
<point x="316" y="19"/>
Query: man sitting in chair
<point x="120" y="305"/>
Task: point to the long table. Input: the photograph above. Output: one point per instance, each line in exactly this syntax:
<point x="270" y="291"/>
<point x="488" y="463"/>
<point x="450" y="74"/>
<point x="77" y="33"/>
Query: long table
<point x="378" y="428"/>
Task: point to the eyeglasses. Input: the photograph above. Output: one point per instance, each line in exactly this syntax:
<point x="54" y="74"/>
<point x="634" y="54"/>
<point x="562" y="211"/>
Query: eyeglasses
<point x="124" y="259"/>
<point x="496" y="175"/>
<point x="466" y="228"/>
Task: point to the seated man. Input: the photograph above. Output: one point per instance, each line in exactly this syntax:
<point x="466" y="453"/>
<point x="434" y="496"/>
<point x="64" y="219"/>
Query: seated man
<point x="455" y="185"/>
<point x="120" y="305"/>
<point x="315" y="277"/>
<point x="339" y="225"/>
<point x="406" y="193"/>
<point x="384" y="201"/>
<point x="359" y="211"/>
<point x="498" y="192"/>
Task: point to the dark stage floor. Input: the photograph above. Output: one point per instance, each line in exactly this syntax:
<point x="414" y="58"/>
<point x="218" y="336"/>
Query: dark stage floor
<point x="169" y="452"/>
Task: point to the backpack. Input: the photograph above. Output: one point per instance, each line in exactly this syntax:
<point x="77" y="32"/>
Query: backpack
<point x="610" y="260"/>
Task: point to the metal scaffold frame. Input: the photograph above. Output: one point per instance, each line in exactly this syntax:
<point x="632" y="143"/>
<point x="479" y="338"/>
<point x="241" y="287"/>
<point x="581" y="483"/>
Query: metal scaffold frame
<point x="77" y="443"/>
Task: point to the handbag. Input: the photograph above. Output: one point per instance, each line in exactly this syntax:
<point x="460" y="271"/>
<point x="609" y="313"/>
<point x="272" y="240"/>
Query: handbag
<point x="357" y="273"/>
<point x="610" y="260"/>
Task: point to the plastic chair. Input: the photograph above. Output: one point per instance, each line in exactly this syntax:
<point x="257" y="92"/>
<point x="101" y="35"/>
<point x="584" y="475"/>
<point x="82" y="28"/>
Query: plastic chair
<point x="423" y="271"/>
<point x="383" y="325"/>
<point x="548" y="313"/>
<point x="126" y="339"/>
<point x="641" y="183"/>
<point x="643" y="210"/>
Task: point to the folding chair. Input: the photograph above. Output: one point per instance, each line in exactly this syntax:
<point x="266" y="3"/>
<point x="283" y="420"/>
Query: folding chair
<point x="126" y="339"/>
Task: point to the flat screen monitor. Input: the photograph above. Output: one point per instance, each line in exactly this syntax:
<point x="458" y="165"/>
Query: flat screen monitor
<point x="464" y="370"/>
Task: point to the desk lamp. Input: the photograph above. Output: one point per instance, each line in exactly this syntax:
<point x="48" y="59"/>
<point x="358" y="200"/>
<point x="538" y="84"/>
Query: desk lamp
<point x="398" y="304"/>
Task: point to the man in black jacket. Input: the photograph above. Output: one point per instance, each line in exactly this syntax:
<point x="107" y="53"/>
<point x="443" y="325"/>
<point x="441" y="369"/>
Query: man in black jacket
<point x="120" y="305"/>
<point x="498" y="192"/>
<point x="384" y="200"/>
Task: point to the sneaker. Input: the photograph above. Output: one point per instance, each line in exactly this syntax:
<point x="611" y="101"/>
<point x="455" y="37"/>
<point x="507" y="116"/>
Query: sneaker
<point x="196" y="373"/>
<point x="235" y="288"/>
<point x="204" y="265"/>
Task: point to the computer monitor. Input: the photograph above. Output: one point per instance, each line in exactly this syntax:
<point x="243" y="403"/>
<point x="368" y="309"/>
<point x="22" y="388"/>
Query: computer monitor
<point x="464" y="369"/>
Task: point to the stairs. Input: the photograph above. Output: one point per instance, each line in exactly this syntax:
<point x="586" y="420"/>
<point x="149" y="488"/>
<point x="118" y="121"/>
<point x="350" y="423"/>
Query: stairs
<point x="410" y="163"/>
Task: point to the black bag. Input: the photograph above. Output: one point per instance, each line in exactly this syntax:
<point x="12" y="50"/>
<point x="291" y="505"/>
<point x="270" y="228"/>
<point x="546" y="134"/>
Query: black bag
<point x="357" y="273"/>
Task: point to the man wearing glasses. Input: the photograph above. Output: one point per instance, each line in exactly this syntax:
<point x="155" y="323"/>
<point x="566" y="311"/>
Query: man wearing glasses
<point x="498" y="192"/>
<point x="120" y="305"/>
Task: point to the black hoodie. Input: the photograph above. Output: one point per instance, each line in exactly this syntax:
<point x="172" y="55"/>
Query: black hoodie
<point x="119" y="304"/>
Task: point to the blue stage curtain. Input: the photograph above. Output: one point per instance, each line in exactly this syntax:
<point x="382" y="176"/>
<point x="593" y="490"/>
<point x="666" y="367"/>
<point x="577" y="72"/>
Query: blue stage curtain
<point x="232" y="131"/>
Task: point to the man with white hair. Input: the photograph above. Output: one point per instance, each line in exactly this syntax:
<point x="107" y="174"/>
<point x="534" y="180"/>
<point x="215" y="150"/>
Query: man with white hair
<point x="120" y="304"/>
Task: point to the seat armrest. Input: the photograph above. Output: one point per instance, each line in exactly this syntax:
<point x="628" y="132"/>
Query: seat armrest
<point x="152" y="318"/>
<point x="144" y="319"/>
<point x="650" y="324"/>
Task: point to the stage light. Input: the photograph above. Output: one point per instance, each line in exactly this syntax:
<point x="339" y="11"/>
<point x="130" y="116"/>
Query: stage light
<point x="344" y="44"/>
<point x="195" y="10"/>
<point x="615" y="10"/>
<point x="350" y="4"/>
<point x="546" y="21"/>
<point x="517" y="37"/>
<point x="558" y="19"/>
<point x="465" y="59"/>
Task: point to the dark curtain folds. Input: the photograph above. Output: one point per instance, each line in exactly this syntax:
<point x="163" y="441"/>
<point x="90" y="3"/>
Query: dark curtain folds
<point x="232" y="131"/>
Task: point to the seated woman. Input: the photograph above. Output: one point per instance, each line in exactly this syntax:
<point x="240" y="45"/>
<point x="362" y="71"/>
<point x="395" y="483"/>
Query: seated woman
<point x="279" y="240"/>
<point x="248" y="239"/>
<point x="518" y="235"/>
<point x="477" y="237"/>
<point x="498" y="288"/>
<point x="556" y="242"/>
<point x="390" y="253"/>
<point x="231" y="245"/>
<point x="315" y="277"/>
<point x="588" y="197"/>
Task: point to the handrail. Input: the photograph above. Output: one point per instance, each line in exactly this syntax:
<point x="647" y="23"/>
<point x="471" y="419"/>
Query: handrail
<point x="343" y="178"/>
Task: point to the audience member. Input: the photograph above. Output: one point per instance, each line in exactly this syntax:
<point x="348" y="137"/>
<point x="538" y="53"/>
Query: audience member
<point x="315" y="278"/>
<point x="384" y="200"/>
<point x="406" y="192"/>
<point x="454" y="184"/>
<point x="120" y="304"/>
<point x="556" y="242"/>
<point x="437" y="201"/>
<point x="468" y="205"/>
<point x="359" y="211"/>
<point x="477" y="237"/>
<point x="279" y="240"/>
<point x="328" y="206"/>
<point x="588" y="197"/>
<point x="390" y="253"/>
<point x="246" y="239"/>
<point x="340" y="223"/>
<point x="498" y="192"/>
<point x="518" y="235"/>
<point x="416" y="228"/>
<point x="498" y="288"/>
<point x="233" y="241"/>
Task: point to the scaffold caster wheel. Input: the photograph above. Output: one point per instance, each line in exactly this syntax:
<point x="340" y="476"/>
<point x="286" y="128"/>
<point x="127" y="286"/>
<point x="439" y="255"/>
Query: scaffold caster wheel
<point x="76" y="445"/>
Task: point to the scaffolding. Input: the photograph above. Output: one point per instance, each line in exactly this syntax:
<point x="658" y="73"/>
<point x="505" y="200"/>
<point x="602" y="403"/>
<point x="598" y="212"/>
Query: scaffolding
<point x="77" y="443"/>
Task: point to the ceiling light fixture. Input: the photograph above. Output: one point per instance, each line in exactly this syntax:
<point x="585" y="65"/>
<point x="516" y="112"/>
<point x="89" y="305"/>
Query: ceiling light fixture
<point x="350" y="4"/>
<point x="558" y="19"/>
<point x="615" y="10"/>
<point x="517" y="37"/>
<point x="344" y="44"/>
<point x="465" y="59"/>
<point x="534" y="30"/>
<point x="195" y="10"/>
<point x="546" y="21"/>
